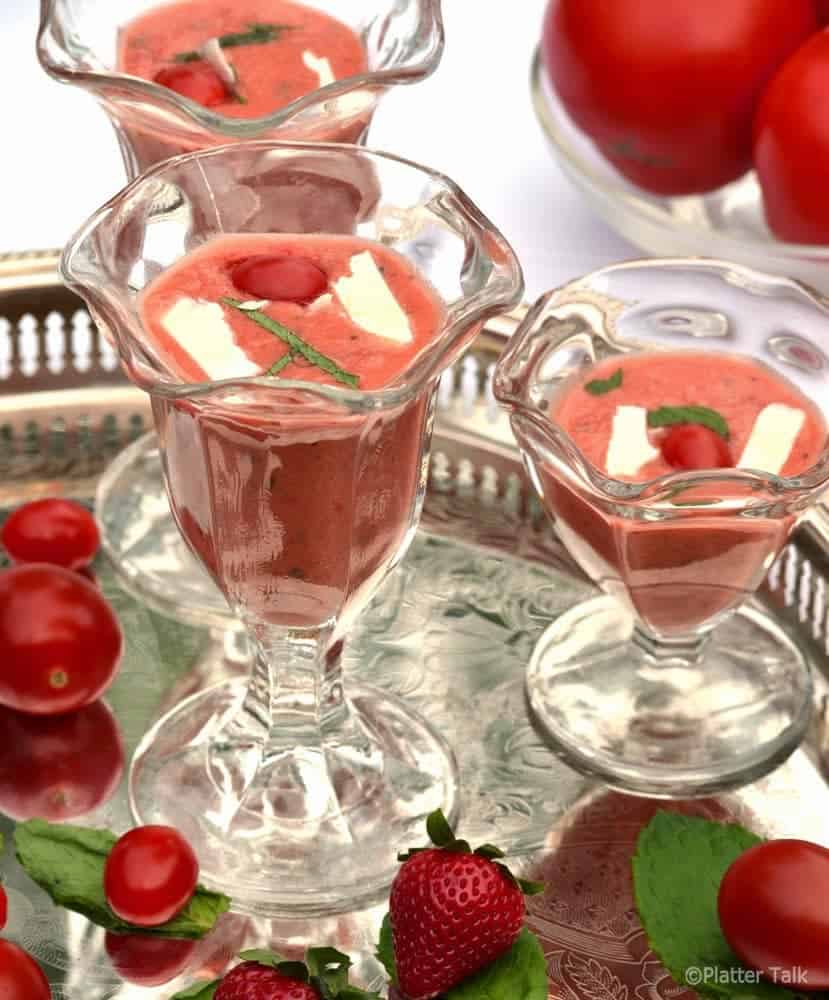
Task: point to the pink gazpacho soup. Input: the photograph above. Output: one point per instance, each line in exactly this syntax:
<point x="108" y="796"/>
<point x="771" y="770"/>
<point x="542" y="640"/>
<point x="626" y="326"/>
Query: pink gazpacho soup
<point x="641" y="416"/>
<point x="293" y="502"/>
<point x="277" y="52"/>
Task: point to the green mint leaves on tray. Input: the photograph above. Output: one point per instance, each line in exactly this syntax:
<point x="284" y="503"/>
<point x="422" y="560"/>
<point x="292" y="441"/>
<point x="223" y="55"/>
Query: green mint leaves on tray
<point x="677" y="869"/>
<point x="296" y="345"/>
<point x="519" y="974"/>
<point x="257" y="34"/>
<point x="68" y="862"/>
<point x="668" y="416"/>
<point x="600" y="386"/>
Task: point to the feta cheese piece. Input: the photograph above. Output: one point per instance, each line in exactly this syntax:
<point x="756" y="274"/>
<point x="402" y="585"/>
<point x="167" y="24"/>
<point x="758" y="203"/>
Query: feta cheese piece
<point x="200" y="329"/>
<point x="772" y="438"/>
<point x="319" y="65"/>
<point x="322" y="301"/>
<point x="369" y="301"/>
<point x="629" y="447"/>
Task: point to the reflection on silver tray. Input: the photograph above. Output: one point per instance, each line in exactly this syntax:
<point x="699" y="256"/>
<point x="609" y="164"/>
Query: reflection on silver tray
<point x="451" y="630"/>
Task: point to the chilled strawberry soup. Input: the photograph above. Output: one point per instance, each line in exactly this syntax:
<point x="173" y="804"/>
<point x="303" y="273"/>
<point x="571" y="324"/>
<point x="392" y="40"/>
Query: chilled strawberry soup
<point x="292" y="503"/>
<point x="641" y="416"/>
<point x="278" y="51"/>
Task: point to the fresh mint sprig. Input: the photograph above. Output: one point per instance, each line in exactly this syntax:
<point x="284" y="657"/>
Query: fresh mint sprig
<point x="295" y="343"/>
<point x="68" y="863"/>
<point x="600" y="386"/>
<point x="257" y="34"/>
<point x="678" y="866"/>
<point x="669" y="416"/>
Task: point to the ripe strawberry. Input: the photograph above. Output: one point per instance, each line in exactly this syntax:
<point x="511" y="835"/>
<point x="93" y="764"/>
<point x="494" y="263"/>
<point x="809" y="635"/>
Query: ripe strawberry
<point x="252" y="981"/>
<point x="264" y="975"/>
<point x="452" y="912"/>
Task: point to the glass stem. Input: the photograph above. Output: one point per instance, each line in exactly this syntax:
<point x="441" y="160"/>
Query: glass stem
<point x="677" y="650"/>
<point x="275" y="752"/>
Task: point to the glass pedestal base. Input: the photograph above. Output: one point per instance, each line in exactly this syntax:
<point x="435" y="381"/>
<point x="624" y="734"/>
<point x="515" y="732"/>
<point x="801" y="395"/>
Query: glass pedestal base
<point x="669" y="729"/>
<point x="320" y="834"/>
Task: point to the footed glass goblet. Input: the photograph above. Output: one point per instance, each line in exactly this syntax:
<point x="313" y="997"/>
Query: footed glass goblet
<point x="298" y="497"/>
<point x="78" y="43"/>
<point x="674" y="683"/>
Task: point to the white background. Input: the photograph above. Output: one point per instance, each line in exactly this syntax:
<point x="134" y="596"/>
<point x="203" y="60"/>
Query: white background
<point x="472" y="120"/>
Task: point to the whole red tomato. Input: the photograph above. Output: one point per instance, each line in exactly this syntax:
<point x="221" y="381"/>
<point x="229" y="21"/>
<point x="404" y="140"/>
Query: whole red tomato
<point x="198" y="81"/>
<point x="52" y="530"/>
<point x="21" y="978"/>
<point x="150" y="875"/>
<point x="692" y="446"/>
<point x="60" y="641"/>
<point x="145" y="960"/>
<point x="58" y="767"/>
<point x="791" y="146"/>
<point x="667" y="91"/>
<point x="773" y="912"/>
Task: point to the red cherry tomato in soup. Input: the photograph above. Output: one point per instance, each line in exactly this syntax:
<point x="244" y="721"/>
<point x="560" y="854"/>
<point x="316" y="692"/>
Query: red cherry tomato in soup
<point x="145" y="960"/>
<point x="51" y="531"/>
<point x="280" y="279"/>
<point x="60" y="642"/>
<point x="692" y="446"/>
<point x="198" y="81"/>
<point x="57" y="767"/>
<point x="791" y="146"/>
<point x="773" y="912"/>
<point x="21" y="978"/>
<point x="667" y="91"/>
<point x="150" y="875"/>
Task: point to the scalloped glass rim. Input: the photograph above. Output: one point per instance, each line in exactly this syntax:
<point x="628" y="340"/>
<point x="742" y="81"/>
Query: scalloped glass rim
<point x="555" y="123"/>
<point x="501" y="291"/>
<point x="651" y="491"/>
<point x="432" y="20"/>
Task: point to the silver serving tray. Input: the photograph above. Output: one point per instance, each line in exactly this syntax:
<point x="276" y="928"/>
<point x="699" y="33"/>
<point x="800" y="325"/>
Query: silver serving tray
<point x="452" y="630"/>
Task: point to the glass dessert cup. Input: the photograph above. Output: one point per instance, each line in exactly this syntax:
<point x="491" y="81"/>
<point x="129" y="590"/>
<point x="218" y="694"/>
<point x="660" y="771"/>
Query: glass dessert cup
<point x="294" y="794"/>
<point x="77" y="45"/>
<point x="673" y="683"/>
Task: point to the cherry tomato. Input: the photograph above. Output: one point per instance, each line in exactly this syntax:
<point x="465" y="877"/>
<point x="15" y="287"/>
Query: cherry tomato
<point x="198" y="81"/>
<point x="667" y="91"/>
<point x="150" y="875"/>
<point x="145" y="960"/>
<point x="21" y="978"/>
<point x="57" y="767"/>
<point x="791" y="146"/>
<point x="4" y="907"/>
<point x="692" y="446"/>
<point x="773" y="913"/>
<point x="60" y="642"/>
<point x="51" y="531"/>
<point x="283" y="279"/>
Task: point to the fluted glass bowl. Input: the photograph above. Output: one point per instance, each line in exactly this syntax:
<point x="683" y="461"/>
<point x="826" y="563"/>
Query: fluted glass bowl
<point x="727" y="224"/>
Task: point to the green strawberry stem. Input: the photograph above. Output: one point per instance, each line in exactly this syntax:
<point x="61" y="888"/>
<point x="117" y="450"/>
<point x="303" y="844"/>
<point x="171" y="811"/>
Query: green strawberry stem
<point x="442" y="836"/>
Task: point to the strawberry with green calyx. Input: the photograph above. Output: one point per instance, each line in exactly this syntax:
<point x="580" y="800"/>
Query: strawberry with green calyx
<point x="265" y="975"/>
<point x="452" y="911"/>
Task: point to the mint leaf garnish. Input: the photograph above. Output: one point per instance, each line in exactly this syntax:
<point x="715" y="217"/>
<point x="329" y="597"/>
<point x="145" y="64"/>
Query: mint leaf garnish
<point x="281" y="364"/>
<point x="519" y="974"/>
<point x="667" y="416"/>
<point x="68" y="862"/>
<point x="599" y="386"/>
<point x="385" y="950"/>
<point x="296" y="344"/>
<point x="257" y="34"/>
<point x="677" y="869"/>
<point x="198" y="991"/>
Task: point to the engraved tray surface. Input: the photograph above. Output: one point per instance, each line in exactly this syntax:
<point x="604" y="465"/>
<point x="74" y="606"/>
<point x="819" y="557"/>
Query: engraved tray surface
<point x="451" y="630"/>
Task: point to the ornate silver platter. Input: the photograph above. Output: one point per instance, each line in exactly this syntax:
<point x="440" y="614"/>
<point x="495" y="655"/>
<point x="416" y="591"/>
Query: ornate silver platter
<point x="452" y="630"/>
